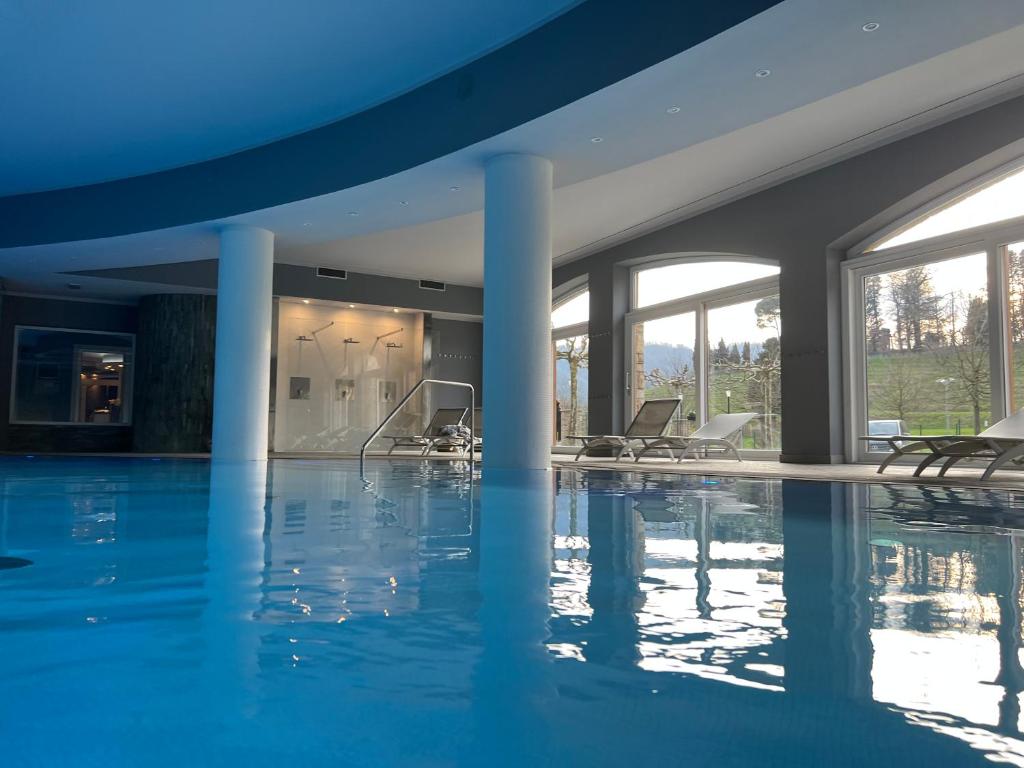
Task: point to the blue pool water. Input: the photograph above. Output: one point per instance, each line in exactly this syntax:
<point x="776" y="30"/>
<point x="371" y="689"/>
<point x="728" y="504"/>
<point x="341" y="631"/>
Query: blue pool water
<point x="300" y="614"/>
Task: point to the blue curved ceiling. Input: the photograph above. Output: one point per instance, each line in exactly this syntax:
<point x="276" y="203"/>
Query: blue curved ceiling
<point x="589" y="47"/>
<point x="105" y="90"/>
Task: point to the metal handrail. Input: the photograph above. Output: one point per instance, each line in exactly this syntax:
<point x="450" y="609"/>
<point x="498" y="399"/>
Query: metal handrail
<point x="472" y="408"/>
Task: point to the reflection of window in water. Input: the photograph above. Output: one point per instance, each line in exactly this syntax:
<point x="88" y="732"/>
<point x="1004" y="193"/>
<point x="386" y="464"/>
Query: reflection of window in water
<point x="946" y="605"/>
<point x="692" y="584"/>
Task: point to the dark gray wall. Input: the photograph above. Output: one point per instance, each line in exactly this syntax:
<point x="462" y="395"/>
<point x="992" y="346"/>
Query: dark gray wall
<point x="174" y="354"/>
<point x="302" y="282"/>
<point x="805" y="225"/>
<point x="57" y="313"/>
<point x="453" y="351"/>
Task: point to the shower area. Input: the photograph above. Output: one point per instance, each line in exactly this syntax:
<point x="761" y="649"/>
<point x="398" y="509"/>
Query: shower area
<point x="340" y="371"/>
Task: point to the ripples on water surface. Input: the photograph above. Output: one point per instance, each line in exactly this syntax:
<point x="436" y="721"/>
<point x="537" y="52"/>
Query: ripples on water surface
<point x="302" y="615"/>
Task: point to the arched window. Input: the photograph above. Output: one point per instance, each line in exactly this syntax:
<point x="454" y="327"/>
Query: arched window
<point x="708" y="331"/>
<point x="657" y="285"/>
<point x="998" y="200"/>
<point x="572" y="311"/>
<point x="937" y="329"/>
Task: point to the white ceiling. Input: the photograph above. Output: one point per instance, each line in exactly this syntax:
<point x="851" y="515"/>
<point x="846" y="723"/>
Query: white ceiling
<point x="833" y="89"/>
<point x="105" y="89"/>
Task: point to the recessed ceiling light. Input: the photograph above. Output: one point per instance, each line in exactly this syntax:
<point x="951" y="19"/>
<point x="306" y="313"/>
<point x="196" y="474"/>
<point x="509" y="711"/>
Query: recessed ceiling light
<point x="351" y="306"/>
<point x="596" y="139"/>
<point x="871" y="26"/>
<point x="307" y="223"/>
<point x="673" y="110"/>
<point x="453" y="189"/>
<point x="395" y="309"/>
<point x="305" y="301"/>
<point x="403" y="202"/>
<point x="763" y="73"/>
<point x="353" y="213"/>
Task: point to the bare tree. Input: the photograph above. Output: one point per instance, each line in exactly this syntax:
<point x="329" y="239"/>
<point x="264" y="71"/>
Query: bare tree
<point x="680" y="381"/>
<point x="574" y="351"/>
<point x="901" y="387"/>
<point x="968" y="350"/>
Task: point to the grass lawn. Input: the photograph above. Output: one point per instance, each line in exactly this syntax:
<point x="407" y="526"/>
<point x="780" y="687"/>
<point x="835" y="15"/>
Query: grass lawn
<point x="929" y="407"/>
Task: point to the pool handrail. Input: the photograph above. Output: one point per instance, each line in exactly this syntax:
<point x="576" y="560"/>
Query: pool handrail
<point x="376" y="433"/>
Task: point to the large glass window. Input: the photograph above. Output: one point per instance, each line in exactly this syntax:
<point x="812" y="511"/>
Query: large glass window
<point x="745" y="367"/>
<point x="937" y="330"/>
<point x="1012" y="257"/>
<point x="663" y="365"/>
<point x="72" y="377"/>
<point x="571" y="387"/>
<point x="717" y="348"/>
<point x="927" y="360"/>
<point x="571" y="361"/>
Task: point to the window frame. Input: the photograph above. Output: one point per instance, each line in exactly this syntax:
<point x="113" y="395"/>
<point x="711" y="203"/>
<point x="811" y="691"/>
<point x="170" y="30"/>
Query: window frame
<point x="700" y="304"/>
<point x="988" y="239"/>
<point x="558" y="334"/>
<point x="128" y="385"/>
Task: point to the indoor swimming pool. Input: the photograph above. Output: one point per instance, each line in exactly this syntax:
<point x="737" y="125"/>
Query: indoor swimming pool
<point x="170" y="613"/>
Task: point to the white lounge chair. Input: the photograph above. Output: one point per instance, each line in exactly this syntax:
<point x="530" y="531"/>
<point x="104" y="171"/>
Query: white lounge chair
<point x="714" y="435"/>
<point x="999" y="445"/>
<point x="650" y="421"/>
<point x="431" y="436"/>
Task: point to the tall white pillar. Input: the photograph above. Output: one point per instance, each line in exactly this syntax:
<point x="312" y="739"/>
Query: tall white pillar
<point x="241" y="386"/>
<point x="517" y="312"/>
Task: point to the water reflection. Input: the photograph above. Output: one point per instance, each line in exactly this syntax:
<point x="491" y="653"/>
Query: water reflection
<point x="419" y="615"/>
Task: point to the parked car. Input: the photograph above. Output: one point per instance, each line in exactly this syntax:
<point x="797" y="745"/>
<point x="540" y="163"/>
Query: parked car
<point x="885" y="427"/>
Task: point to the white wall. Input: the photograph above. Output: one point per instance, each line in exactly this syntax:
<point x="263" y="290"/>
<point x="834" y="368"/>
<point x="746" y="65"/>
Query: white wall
<point x="344" y="401"/>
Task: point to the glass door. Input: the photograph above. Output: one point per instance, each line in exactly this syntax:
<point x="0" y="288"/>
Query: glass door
<point x="663" y="363"/>
<point x="571" y="380"/>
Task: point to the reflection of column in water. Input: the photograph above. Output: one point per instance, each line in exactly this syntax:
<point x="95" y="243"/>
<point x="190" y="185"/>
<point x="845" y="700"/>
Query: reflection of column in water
<point x="1011" y="675"/>
<point x="616" y="536"/>
<point x="828" y="645"/>
<point x="512" y="677"/>
<point x="235" y="562"/>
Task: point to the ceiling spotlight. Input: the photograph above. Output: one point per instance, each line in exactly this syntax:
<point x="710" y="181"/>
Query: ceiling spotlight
<point x="353" y="213"/>
<point x="596" y="139"/>
<point x="762" y="73"/>
<point x="395" y="309"/>
<point x="307" y="223"/>
<point x="351" y="306"/>
<point x="871" y="26"/>
<point x="450" y="189"/>
<point x="674" y="110"/>
<point x="305" y="301"/>
<point x="403" y="202"/>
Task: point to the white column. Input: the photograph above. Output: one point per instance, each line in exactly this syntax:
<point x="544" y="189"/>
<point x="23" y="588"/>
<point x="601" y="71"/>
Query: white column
<point x="241" y="390"/>
<point x="517" y="312"/>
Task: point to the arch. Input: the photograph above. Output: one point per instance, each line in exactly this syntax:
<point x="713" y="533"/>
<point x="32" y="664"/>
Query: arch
<point x="665" y="271"/>
<point x="963" y="209"/>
